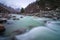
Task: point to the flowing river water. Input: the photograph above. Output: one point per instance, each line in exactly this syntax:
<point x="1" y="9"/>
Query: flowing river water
<point x="28" y="23"/>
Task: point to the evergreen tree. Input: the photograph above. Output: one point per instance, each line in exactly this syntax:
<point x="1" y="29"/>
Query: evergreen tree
<point x="22" y="10"/>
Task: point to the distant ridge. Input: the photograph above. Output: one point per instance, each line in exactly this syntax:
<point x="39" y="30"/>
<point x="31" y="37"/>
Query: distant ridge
<point x="5" y="9"/>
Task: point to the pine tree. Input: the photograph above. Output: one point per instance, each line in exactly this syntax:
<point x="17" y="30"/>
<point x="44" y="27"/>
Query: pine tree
<point x="22" y="10"/>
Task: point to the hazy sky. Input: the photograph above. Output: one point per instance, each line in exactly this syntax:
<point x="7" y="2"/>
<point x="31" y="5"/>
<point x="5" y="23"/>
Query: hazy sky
<point x="17" y="3"/>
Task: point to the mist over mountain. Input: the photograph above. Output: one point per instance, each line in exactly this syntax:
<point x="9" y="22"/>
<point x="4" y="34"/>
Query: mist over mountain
<point x="17" y="3"/>
<point x="7" y="9"/>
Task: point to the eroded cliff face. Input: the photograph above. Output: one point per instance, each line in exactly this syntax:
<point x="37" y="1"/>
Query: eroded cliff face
<point x="32" y="8"/>
<point x="46" y="6"/>
<point x="47" y="10"/>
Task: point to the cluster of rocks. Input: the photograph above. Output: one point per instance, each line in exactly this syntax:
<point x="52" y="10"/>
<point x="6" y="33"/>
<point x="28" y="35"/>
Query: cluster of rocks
<point x="49" y="11"/>
<point x="2" y="29"/>
<point x="49" y="14"/>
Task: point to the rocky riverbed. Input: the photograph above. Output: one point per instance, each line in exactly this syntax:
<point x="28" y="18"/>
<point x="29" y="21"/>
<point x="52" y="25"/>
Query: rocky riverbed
<point x="19" y="24"/>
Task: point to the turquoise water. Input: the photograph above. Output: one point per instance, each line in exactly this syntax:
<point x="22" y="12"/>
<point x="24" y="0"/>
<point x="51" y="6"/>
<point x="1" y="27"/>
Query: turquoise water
<point x="37" y="28"/>
<point x="49" y="32"/>
<point x="27" y="22"/>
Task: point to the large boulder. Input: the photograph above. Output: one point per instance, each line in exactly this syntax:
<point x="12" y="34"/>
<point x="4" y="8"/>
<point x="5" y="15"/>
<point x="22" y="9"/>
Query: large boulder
<point x="2" y="29"/>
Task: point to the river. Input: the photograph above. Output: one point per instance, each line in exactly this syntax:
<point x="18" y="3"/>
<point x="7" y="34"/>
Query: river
<point x="27" y="22"/>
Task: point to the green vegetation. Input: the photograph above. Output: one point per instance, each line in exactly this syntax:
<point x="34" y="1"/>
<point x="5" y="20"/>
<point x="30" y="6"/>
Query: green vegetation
<point x="22" y="10"/>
